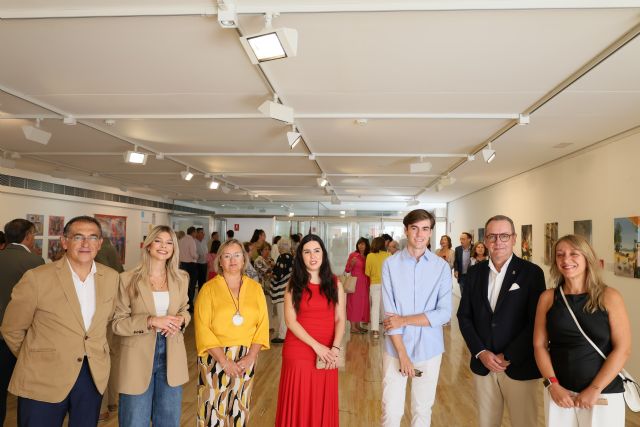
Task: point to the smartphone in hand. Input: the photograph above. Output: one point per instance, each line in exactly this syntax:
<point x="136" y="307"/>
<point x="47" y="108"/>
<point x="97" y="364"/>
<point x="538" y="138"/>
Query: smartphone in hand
<point x="416" y="372"/>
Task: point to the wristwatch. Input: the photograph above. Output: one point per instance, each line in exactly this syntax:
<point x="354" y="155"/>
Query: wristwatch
<point x="548" y="381"/>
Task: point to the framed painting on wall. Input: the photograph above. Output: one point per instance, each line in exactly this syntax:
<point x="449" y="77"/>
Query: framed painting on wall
<point x="37" y="246"/>
<point x="583" y="228"/>
<point x="480" y="235"/>
<point x="550" y="239"/>
<point x="56" y="225"/>
<point x="55" y="250"/>
<point x="626" y="238"/>
<point x="38" y="221"/>
<point x="525" y="243"/>
<point x="114" y="228"/>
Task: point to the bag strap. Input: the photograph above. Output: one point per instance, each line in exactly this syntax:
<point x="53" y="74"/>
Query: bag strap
<point x="584" y="334"/>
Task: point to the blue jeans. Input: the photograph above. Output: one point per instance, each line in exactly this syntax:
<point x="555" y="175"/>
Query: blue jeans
<point x="161" y="403"/>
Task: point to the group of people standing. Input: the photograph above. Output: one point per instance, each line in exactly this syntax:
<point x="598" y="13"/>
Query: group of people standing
<point x="56" y="319"/>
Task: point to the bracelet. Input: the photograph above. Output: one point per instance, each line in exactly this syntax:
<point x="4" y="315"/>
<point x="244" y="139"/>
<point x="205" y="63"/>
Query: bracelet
<point x="335" y="346"/>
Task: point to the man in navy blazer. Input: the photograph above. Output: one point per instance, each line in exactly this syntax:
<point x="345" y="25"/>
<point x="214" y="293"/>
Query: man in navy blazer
<point x="462" y="259"/>
<point x="496" y="317"/>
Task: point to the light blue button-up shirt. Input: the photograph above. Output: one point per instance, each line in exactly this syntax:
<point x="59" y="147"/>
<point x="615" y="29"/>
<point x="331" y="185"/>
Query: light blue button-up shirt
<point x="417" y="287"/>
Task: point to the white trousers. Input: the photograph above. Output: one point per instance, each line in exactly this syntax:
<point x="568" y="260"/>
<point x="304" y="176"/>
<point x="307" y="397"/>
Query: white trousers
<point x="375" y="306"/>
<point x="610" y="415"/>
<point x="423" y="391"/>
<point x="280" y="326"/>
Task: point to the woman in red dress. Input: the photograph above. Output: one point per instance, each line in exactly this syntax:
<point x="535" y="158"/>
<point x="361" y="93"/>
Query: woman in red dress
<point x="314" y="310"/>
<point x="358" y="301"/>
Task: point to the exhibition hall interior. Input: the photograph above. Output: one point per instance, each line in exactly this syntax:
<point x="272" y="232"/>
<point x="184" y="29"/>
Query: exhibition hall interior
<point x="143" y="113"/>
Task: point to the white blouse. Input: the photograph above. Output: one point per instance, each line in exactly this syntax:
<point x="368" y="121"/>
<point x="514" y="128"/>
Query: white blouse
<point x="161" y="301"/>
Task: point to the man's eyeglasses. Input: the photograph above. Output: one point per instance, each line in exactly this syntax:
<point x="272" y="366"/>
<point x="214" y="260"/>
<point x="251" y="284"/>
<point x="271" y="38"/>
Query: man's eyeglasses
<point x="79" y="238"/>
<point x="504" y="237"/>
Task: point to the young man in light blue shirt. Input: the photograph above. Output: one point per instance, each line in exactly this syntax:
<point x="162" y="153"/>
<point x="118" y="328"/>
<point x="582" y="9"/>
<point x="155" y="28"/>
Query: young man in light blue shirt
<point x="416" y="293"/>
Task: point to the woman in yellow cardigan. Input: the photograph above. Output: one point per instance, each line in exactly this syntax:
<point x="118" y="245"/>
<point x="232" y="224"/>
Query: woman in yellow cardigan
<point x="232" y="326"/>
<point x="373" y="269"/>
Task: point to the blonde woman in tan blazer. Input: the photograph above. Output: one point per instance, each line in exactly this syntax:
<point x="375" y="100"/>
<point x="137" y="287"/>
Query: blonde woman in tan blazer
<point x="151" y="314"/>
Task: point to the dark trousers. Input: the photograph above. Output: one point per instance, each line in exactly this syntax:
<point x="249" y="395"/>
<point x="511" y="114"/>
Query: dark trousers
<point x="82" y="404"/>
<point x="192" y="269"/>
<point x="461" y="281"/>
<point x="202" y="275"/>
<point x="7" y="363"/>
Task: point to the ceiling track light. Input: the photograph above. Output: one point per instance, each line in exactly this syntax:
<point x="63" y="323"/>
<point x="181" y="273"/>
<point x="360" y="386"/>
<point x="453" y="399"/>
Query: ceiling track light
<point x="275" y="110"/>
<point x="7" y="163"/>
<point x="225" y="189"/>
<point x="335" y="200"/>
<point x="293" y="138"/>
<point x="186" y="175"/>
<point x="413" y="202"/>
<point x="291" y="214"/>
<point x="135" y="157"/>
<point x="420" y="166"/>
<point x="35" y="134"/>
<point x="213" y="184"/>
<point x="69" y="120"/>
<point x="270" y="44"/>
<point x="227" y="15"/>
<point x="323" y="181"/>
<point x="488" y="153"/>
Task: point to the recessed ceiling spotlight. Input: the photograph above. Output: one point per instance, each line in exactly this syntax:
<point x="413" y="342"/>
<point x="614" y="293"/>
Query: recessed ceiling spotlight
<point x="488" y="153"/>
<point x="186" y="175"/>
<point x="343" y="213"/>
<point x="362" y="122"/>
<point x="135" y="157"/>
<point x="291" y="214"/>
<point x="109" y="122"/>
<point x="69" y="120"/>
<point x="270" y="44"/>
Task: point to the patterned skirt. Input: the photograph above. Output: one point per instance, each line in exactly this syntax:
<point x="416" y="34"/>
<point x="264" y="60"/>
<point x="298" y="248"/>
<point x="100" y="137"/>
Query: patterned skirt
<point x="223" y="401"/>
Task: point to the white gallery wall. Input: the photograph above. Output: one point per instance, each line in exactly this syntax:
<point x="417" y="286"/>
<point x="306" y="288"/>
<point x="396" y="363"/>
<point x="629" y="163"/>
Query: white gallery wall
<point x="598" y="184"/>
<point x="17" y="203"/>
<point x="247" y="225"/>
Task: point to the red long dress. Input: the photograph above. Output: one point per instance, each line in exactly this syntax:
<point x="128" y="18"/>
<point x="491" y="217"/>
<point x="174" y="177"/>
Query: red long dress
<point x="307" y="396"/>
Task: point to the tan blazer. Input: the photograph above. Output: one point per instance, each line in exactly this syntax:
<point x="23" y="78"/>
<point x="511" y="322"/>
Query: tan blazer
<point x="43" y="327"/>
<point x="138" y="344"/>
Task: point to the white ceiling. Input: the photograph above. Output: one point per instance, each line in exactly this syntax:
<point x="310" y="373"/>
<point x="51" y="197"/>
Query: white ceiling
<point x="432" y="82"/>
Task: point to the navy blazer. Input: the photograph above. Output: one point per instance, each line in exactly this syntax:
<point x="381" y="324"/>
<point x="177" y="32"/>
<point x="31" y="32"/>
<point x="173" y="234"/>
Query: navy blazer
<point x="508" y="329"/>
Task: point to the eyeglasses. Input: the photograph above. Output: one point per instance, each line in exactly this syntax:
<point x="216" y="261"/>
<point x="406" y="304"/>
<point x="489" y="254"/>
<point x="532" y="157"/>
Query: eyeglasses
<point x="504" y="237"/>
<point x="236" y="255"/>
<point x="79" y="238"/>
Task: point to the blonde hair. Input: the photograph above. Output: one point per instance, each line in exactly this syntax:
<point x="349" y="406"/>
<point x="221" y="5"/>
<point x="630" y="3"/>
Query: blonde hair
<point x="594" y="282"/>
<point x="225" y="245"/>
<point x="172" y="265"/>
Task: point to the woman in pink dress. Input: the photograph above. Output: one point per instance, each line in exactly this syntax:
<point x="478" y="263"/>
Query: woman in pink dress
<point x="358" y="302"/>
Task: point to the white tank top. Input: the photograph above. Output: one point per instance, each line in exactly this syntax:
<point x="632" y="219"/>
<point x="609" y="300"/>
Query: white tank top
<point x="161" y="300"/>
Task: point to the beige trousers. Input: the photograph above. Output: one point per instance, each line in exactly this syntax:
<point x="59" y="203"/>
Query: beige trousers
<point x="494" y="390"/>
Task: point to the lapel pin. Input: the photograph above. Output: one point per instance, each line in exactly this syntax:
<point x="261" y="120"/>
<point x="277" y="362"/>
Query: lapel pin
<point x="513" y="272"/>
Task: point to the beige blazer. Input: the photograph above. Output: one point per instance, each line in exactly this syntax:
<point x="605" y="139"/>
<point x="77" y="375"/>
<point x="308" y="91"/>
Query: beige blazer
<point x="138" y="344"/>
<point x="43" y="327"/>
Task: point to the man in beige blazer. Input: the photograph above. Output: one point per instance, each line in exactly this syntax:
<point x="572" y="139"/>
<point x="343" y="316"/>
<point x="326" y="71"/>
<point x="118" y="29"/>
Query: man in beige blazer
<point x="56" y="326"/>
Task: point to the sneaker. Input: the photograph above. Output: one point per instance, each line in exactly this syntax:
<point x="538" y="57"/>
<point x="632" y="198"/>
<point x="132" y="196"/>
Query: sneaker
<point x="277" y="340"/>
